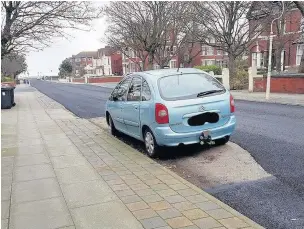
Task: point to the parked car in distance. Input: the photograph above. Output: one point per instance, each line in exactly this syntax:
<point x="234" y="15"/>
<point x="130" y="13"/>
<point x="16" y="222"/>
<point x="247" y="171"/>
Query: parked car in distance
<point x="171" y="107"/>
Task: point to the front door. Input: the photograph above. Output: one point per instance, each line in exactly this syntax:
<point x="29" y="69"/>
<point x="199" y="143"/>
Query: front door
<point x="131" y="107"/>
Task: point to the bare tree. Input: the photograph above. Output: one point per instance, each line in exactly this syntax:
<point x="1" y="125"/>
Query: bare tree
<point x="33" y="24"/>
<point x="224" y="25"/>
<point x="12" y="65"/>
<point x="175" y="34"/>
<point x="190" y="48"/>
<point x="140" y="26"/>
<point x="282" y="37"/>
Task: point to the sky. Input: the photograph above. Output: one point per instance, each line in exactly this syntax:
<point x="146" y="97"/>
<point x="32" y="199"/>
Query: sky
<point x="47" y="62"/>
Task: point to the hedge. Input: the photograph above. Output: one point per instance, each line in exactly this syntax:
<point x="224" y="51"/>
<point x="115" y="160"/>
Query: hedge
<point x="216" y="69"/>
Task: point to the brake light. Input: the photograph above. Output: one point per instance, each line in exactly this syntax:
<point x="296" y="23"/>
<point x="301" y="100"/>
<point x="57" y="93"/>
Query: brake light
<point x="232" y="107"/>
<point x="161" y="114"/>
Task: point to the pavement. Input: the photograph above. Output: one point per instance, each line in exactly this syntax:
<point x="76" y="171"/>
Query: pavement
<point x="271" y="133"/>
<point x="61" y="171"/>
<point x="281" y="98"/>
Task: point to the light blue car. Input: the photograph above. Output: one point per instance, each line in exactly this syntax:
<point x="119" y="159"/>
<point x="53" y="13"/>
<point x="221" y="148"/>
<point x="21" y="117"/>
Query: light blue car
<point x="171" y="107"/>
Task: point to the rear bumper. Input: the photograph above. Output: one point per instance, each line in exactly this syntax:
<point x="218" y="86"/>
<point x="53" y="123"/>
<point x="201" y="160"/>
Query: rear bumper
<point x="166" y="137"/>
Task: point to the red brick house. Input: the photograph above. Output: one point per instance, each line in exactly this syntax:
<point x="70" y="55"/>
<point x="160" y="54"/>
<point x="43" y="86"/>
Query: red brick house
<point x="81" y="60"/>
<point x="291" y="53"/>
<point x="200" y="55"/>
<point x="109" y="61"/>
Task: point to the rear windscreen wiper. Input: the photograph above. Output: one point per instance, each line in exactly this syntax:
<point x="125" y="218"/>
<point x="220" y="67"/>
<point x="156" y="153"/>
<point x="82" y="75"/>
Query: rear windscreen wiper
<point x="208" y="92"/>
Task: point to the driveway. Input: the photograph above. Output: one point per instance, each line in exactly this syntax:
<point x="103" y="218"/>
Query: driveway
<point x="272" y="133"/>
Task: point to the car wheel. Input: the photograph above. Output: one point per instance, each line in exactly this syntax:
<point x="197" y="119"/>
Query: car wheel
<point x="222" y="141"/>
<point x="113" y="130"/>
<point x="151" y="146"/>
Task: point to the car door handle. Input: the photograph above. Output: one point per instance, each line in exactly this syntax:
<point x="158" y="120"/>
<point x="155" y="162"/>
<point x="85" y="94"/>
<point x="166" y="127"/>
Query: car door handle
<point x="135" y="106"/>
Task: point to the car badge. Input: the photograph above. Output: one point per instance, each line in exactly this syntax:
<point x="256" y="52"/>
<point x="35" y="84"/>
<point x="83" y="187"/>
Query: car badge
<point x="202" y="108"/>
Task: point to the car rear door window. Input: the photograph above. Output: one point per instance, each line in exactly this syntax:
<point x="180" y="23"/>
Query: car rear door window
<point x="146" y="93"/>
<point x="135" y="89"/>
<point x="122" y="90"/>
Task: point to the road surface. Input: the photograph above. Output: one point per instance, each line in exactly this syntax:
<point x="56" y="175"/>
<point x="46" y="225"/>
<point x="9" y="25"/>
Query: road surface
<point x="272" y="133"/>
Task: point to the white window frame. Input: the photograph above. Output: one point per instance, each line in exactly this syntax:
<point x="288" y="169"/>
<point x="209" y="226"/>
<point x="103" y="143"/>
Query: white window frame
<point x="204" y="61"/>
<point x="219" y="52"/>
<point x="173" y="64"/>
<point x="300" y="48"/>
<point x="284" y="28"/>
<point x="174" y="50"/>
<point x="206" y="50"/>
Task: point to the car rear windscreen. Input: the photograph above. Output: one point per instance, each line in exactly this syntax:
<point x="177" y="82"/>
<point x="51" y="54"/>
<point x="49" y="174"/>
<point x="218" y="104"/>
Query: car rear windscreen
<point x="187" y="86"/>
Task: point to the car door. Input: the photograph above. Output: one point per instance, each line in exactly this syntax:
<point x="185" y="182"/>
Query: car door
<point x="118" y="100"/>
<point x="131" y="107"/>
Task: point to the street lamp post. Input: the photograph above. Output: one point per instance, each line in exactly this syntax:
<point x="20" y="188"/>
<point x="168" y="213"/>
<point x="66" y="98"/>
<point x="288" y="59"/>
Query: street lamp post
<point x="270" y="54"/>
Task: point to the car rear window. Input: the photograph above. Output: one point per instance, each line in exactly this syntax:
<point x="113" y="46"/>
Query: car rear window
<point x="187" y="86"/>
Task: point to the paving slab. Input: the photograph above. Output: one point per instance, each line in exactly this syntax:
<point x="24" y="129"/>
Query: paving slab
<point x="32" y="159"/>
<point x="5" y="209"/>
<point x="154" y="222"/>
<point x="87" y="193"/>
<point x="47" y="214"/>
<point x="76" y="174"/>
<point x="64" y="161"/>
<point x="35" y="190"/>
<point x="110" y="215"/>
<point x="33" y="172"/>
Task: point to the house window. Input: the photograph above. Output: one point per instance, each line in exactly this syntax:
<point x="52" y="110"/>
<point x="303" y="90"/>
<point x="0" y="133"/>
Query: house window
<point x="221" y="63"/>
<point x="174" y="50"/>
<point x="173" y="64"/>
<point x="219" y="52"/>
<point x="284" y="26"/>
<point x="299" y="53"/>
<point x="83" y="59"/>
<point x="132" y="67"/>
<point x="132" y="54"/>
<point x="207" y="50"/>
<point x="77" y="60"/>
<point x="208" y="62"/>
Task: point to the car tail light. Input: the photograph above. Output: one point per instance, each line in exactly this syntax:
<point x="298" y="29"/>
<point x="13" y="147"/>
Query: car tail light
<point x="161" y="114"/>
<point x="232" y="107"/>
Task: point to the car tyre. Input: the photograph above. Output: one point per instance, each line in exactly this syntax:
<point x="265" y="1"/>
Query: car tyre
<point x="222" y="141"/>
<point x="113" y="130"/>
<point x="151" y="146"/>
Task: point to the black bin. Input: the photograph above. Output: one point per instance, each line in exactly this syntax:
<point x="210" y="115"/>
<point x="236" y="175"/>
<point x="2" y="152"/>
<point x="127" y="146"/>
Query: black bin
<point x="7" y="97"/>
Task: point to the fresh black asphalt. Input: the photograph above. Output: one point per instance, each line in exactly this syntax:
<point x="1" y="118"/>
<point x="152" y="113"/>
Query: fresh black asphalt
<point x="272" y="133"/>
